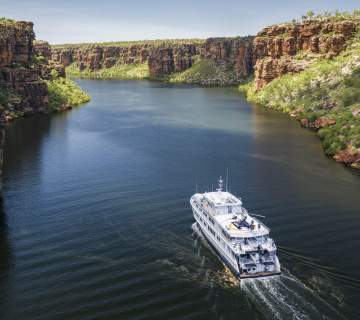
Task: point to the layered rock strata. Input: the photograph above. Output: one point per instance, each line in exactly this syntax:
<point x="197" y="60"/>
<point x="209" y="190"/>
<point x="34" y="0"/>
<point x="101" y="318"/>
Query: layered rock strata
<point x="284" y="48"/>
<point x="95" y="57"/>
<point x="20" y="76"/>
<point x="163" y="59"/>
<point x="236" y="53"/>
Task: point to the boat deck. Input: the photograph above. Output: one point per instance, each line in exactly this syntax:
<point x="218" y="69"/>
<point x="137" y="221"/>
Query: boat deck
<point x="241" y="227"/>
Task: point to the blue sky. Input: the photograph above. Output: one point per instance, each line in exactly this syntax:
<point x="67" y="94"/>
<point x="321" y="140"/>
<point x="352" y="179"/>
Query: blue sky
<point x="64" y="21"/>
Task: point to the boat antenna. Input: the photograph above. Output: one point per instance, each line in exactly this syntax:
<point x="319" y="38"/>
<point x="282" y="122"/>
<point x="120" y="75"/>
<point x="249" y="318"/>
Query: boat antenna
<point x="221" y="183"/>
<point x="196" y="189"/>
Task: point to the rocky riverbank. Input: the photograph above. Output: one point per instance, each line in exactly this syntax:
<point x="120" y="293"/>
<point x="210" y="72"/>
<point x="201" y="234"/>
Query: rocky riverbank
<point x="311" y="70"/>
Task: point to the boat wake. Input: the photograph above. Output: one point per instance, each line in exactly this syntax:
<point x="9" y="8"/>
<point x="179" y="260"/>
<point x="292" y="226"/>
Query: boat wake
<point x="276" y="297"/>
<point x="285" y="297"/>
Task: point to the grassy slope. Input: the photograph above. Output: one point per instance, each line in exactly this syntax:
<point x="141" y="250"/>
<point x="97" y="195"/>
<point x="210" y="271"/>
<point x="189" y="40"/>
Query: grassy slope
<point x="327" y="89"/>
<point x="205" y="72"/>
<point x="123" y="71"/>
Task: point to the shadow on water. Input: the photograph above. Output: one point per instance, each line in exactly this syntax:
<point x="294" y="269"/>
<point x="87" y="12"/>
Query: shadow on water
<point x="5" y="255"/>
<point x="23" y="149"/>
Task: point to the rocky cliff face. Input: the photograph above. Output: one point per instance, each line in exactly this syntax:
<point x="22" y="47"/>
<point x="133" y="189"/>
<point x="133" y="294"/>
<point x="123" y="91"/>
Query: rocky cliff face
<point x="285" y="48"/>
<point x="164" y="58"/>
<point x="236" y="53"/>
<point x="20" y="79"/>
<point x="96" y="57"/>
<point x="232" y="53"/>
<point x="164" y="61"/>
<point x="46" y="65"/>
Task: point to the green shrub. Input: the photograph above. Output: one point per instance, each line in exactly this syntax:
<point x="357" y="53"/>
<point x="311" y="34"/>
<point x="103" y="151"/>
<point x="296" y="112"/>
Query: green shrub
<point x="7" y="22"/>
<point x="38" y="59"/>
<point x="206" y="72"/>
<point x="65" y="93"/>
<point x="119" y="71"/>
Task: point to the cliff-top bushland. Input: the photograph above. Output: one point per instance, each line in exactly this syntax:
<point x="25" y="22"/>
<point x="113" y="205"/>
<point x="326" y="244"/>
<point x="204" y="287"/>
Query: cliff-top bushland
<point x="6" y="22"/>
<point x="155" y="43"/>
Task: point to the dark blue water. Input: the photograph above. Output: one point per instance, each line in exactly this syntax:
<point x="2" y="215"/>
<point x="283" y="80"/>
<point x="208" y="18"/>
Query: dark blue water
<point x="95" y="220"/>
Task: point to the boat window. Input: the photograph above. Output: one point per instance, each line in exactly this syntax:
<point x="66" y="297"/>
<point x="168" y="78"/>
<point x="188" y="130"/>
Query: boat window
<point x="229" y="209"/>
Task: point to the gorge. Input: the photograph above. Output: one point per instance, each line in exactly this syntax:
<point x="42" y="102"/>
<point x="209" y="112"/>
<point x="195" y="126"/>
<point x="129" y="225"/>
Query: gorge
<point x="292" y="49"/>
<point x="95" y="221"/>
<point x="30" y="68"/>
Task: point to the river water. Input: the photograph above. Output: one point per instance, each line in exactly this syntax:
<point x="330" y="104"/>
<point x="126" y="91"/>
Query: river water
<point x="95" y="220"/>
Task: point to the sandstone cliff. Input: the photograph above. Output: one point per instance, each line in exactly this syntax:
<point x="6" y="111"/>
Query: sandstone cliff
<point x="164" y="58"/>
<point x="20" y="82"/>
<point x="95" y="57"/>
<point x="290" y="47"/>
<point x="236" y="53"/>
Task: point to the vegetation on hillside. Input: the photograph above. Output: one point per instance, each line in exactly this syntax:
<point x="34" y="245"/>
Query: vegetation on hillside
<point x="119" y="71"/>
<point x="65" y="93"/>
<point x="327" y="16"/>
<point x="326" y="96"/>
<point x="155" y="43"/>
<point x="206" y="72"/>
<point x="4" y="22"/>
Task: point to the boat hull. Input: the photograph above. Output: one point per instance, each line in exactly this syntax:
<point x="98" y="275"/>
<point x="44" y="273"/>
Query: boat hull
<point x="229" y="265"/>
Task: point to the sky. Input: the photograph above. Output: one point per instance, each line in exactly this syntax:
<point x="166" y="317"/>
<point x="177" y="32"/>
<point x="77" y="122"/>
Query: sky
<point x="64" y="21"/>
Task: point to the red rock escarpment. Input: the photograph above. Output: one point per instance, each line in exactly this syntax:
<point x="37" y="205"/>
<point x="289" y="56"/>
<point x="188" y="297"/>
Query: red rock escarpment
<point x="22" y="74"/>
<point x="16" y="74"/>
<point x="275" y="47"/>
<point x="234" y="53"/>
<point x="16" y="43"/>
<point x="47" y="66"/>
<point x="164" y="61"/>
<point x="237" y="53"/>
<point x="96" y="57"/>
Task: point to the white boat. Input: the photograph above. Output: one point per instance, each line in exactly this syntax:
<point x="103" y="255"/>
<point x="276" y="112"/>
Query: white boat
<point x="241" y="240"/>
